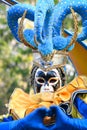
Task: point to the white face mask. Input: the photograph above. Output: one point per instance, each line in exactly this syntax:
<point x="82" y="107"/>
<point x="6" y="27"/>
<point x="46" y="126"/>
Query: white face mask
<point x="47" y="81"/>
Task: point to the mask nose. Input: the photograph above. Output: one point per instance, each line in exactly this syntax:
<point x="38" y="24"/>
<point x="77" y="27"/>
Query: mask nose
<point x="46" y="87"/>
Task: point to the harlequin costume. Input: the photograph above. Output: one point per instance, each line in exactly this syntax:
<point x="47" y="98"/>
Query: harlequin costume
<point x="46" y="38"/>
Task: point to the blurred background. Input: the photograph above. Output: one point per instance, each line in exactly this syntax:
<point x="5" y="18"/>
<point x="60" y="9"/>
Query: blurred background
<point x="16" y="59"/>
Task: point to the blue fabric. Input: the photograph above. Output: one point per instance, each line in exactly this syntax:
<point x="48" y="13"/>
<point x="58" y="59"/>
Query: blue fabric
<point x="9" y="118"/>
<point x="33" y="121"/>
<point x="81" y="106"/>
<point x="43" y="25"/>
<point x="63" y="122"/>
<point x="63" y="8"/>
<point x="4" y="126"/>
<point x="16" y="12"/>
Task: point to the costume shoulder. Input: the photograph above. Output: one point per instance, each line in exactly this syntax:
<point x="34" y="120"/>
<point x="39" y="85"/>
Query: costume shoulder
<point x="79" y="102"/>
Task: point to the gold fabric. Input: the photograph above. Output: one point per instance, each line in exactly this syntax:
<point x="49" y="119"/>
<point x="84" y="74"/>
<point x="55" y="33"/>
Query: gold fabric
<point x="75" y="113"/>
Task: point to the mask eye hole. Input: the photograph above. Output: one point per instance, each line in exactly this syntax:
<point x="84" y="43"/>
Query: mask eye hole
<point x="53" y="80"/>
<point x="40" y="80"/>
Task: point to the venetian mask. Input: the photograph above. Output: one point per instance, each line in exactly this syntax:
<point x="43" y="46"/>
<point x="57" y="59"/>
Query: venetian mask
<point x="47" y="81"/>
